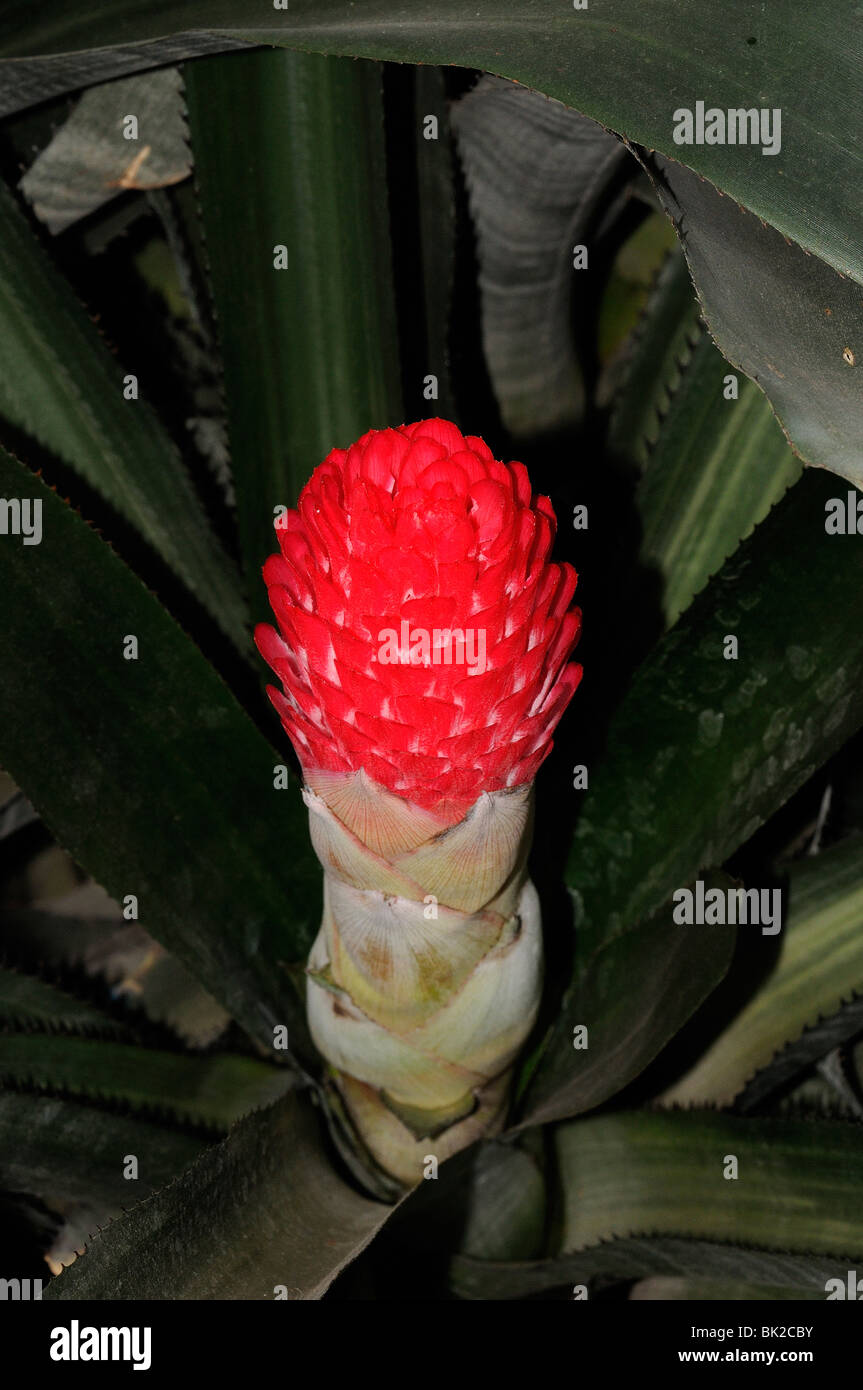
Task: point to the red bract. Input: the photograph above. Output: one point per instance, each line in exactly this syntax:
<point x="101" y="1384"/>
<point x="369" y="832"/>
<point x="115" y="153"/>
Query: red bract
<point x="423" y="633"/>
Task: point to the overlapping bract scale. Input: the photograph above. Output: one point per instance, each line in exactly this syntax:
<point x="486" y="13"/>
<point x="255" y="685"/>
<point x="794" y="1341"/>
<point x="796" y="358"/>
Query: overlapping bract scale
<point x="420" y="530"/>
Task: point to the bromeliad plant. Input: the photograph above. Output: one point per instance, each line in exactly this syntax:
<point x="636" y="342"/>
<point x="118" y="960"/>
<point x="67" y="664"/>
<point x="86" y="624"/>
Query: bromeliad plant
<point x="224" y="1074"/>
<point x="422" y="647"/>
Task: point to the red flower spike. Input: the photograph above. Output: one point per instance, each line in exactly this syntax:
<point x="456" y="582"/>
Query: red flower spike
<point x="425" y="635"/>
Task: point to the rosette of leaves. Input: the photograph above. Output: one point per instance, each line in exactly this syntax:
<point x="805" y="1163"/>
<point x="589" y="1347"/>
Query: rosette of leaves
<point x="177" y="360"/>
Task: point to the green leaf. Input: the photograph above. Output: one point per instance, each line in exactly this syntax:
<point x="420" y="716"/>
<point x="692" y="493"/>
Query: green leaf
<point x="624" y="65"/>
<point x="703" y="749"/>
<point x="701" y="1264"/>
<point x="218" y="860"/>
<point x="830" y="1088"/>
<point x="87" y="161"/>
<point x="797" y="1188"/>
<point x="797" y="329"/>
<point x="56" y="1147"/>
<point x="713" y="1290"/>
<point x="629" y="67"/>
<point x="28" y="1002"/>
<point x="634" y="272"/>
<point x="635" y="994"/>
<point x="15" y="810"/>
<point x="661" y="347"/>
<point x="718" y="468"/>
<point x="60" y="383"/>
<point x="28" y="82"/>
<point x="140" y="971"/>
<point x="507" y="1213"/>
<point x="309" y="351"/>
<point x="214" y="1091"/>
<point x="263" y="1210"/>
<point x="819" y="966"/>
<point x="535" y="175"/>
<point x="438" y="228"/>
<point x="169" y="994"/>
<point x="73" y="1158"/>
<point x="813" y="1045"/>
<point x="714" y="467"/>
<point x="489" y="1201"/>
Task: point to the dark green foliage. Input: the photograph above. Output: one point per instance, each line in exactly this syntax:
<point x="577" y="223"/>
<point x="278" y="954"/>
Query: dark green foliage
<point x="154" y="766"/>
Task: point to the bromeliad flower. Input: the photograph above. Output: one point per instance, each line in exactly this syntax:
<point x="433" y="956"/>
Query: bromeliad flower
<point x="423" y="649"/>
